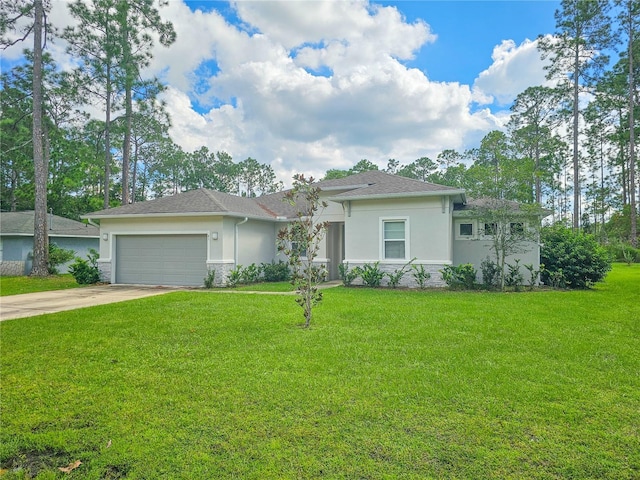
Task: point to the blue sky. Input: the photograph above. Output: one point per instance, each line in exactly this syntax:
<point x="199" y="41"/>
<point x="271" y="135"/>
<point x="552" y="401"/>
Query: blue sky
<point x="312" y="85"/>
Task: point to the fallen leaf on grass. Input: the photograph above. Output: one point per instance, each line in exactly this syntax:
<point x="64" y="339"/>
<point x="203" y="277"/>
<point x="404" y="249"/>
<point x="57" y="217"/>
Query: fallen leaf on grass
<point x="108" y="443"/>
<point x="72" y="466"/>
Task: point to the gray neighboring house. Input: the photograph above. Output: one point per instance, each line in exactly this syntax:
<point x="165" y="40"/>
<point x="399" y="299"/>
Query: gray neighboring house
<point x="373" y="217"/>
<point x="16" y="240"/>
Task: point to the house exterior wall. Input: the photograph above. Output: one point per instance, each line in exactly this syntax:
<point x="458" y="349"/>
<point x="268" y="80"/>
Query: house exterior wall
<point x="476" y="249"/>
<point x="427" y="230"/>
<point x="16" y="250"/>
<point x="257" y="242"/>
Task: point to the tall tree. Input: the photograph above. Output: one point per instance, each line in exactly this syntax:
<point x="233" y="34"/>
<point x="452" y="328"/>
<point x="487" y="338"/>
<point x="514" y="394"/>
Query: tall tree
<point x="629" y="18"/>
<point x="583" y="33"/>
<point x="137" y="21"/>
<point x="93" y="42"/>
<point x="11" y="13"/>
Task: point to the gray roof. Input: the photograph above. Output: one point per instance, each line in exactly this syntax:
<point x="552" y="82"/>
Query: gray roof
<point x="22" y="223"/>
<point x="381" y="184"/>
<point x="481" y="203"/>
<point x="373" y="184"/>
<point x="198" y="202"/>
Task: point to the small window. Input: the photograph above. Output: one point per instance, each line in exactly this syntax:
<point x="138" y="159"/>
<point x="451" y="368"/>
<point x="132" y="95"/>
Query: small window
<point x="490" y="228"/>
<point x="516" y="228"/>
<point x="466" y="229"/>
<point x="394" y="239"/>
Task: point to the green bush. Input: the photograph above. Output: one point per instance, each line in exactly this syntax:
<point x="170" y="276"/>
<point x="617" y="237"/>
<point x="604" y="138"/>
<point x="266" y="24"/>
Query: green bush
<point x="490" y="273"/>
<point x="347" y="276"/>
<point x="420" y="275"/>
<point x="210" y="279"/>
<point x="86" y="271"/>
<point x="572" y="259"/>
<point x="514" y="277"/>
<point x="58" y="256"/>
<point x="250" y="274"/>
<point x="371" y="274"/>
<point x="235" y="276"/>
<point x="460" y="276"/>
<point x="275" y="272"/>
<point x="622" y="252"/>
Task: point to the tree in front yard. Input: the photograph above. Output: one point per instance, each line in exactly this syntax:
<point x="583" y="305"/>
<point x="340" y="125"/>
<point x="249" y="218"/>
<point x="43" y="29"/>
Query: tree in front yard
<point x="300" y="242"/>
<point x="510" y="229"/>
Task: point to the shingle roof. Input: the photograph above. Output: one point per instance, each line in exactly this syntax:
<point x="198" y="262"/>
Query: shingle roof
<point x="197" y="201"/>
<point x="381" y="184"/>
<point x="370" y="184"/>
<point x="22" y="223"/>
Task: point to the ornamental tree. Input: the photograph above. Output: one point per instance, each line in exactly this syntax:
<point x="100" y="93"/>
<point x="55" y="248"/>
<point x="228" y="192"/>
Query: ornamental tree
<point x="300" y="241"/>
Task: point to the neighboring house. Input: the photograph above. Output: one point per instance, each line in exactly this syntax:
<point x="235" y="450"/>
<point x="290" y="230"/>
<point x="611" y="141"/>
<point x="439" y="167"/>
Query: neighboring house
<point x="16" y="240"/>
<point x="373" y="216"/>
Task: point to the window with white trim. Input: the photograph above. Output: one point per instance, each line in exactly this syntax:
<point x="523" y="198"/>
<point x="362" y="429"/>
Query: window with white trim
<point x="394" y="239"/>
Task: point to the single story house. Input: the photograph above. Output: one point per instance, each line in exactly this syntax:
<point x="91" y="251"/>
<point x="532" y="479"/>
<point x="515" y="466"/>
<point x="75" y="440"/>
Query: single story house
<point x="373" y="217"/>
<point x="16" y="240"/>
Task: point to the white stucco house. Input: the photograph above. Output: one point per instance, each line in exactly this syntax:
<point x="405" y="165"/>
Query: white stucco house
<point x="373" y="216"/>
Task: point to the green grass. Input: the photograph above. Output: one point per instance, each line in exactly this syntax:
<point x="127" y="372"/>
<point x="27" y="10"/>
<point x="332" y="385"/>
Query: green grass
<point x="265" y="287"/>
<point x="386" y="384"/>
<point x="26" y="284"/>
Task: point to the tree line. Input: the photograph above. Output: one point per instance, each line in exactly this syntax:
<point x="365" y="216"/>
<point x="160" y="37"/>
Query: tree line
<point x="570" y="147"/>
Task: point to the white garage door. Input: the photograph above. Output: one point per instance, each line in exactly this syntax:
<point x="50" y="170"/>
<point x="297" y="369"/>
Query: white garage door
<point x="161" y="259"/>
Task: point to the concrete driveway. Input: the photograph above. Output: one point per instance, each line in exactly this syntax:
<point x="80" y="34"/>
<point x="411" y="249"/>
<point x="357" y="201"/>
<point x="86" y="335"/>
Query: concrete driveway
<point x="31" y="304"/>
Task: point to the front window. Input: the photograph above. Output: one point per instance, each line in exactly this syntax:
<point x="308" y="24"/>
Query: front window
<point x="394" y="239"/>
<point x="516" y="228"/>
<point x="466" y="229"/>
<point x="490" y="228"/>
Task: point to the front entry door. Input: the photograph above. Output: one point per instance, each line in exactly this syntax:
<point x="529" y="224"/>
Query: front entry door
<point x="335" y="248"/>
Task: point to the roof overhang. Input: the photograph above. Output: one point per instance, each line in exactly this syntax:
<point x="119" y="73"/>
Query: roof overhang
<point x="384" y="196"/>
<point x="181" y="214"/>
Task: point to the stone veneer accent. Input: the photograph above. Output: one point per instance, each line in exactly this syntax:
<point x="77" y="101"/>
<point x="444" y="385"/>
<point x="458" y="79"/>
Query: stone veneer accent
<point x="105" y="271"/>
<point x="222" y="272"/>
<point x="12" y="268"/>
<point x="408" y="280"/>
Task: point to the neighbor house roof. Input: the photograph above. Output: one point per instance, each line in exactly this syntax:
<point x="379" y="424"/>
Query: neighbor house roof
<point x="366" y="185"/>
<point x="22" y="223"/>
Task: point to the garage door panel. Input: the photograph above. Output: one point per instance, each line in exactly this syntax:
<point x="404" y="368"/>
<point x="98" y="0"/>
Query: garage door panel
<point x="161" y="259"/>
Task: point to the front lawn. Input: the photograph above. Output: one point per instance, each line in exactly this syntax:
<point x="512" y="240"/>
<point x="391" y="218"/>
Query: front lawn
<point x="26" y="284"/>
<point x="386" y="384"/>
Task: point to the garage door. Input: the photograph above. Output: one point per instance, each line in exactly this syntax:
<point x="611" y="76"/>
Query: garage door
<point x="161" y="259"/>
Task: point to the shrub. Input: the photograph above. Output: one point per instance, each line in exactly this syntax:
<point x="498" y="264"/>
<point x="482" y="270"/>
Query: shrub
<point x="58" y="256"/>
<point x="347" y="276"/>
<point x="490" y="273"/>
<point x="533" y="274"/>
<point x="514" y="277"/>
<point x="575" y="258"/>
<point x="622" y="252"/>
<point x="234" y="276"/>
<point x="86" y="271"/>
<point x="275" y="272"/>
<point x="371" y="274"/>
<point x="398" y="273"/>
<point x="250" y="274"/>
<point x="420" y="275"/>
<point x="210" y="279"/>
<point x="461" y="276"/>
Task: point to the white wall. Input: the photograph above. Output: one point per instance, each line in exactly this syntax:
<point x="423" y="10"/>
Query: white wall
<point x="428" y="221"/>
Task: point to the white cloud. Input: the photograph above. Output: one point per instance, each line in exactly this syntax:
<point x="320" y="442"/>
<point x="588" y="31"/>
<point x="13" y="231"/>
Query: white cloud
<point x="368" y="105"/>
<point x="514" y="69"/>
<point x="309" y="86"/>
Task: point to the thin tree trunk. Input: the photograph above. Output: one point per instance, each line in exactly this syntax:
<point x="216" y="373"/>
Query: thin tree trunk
<point x="632" y="158"/>
<point x="576" y="161"/>
<point x="107" y="140"/>
<point x="40" y="234"/>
